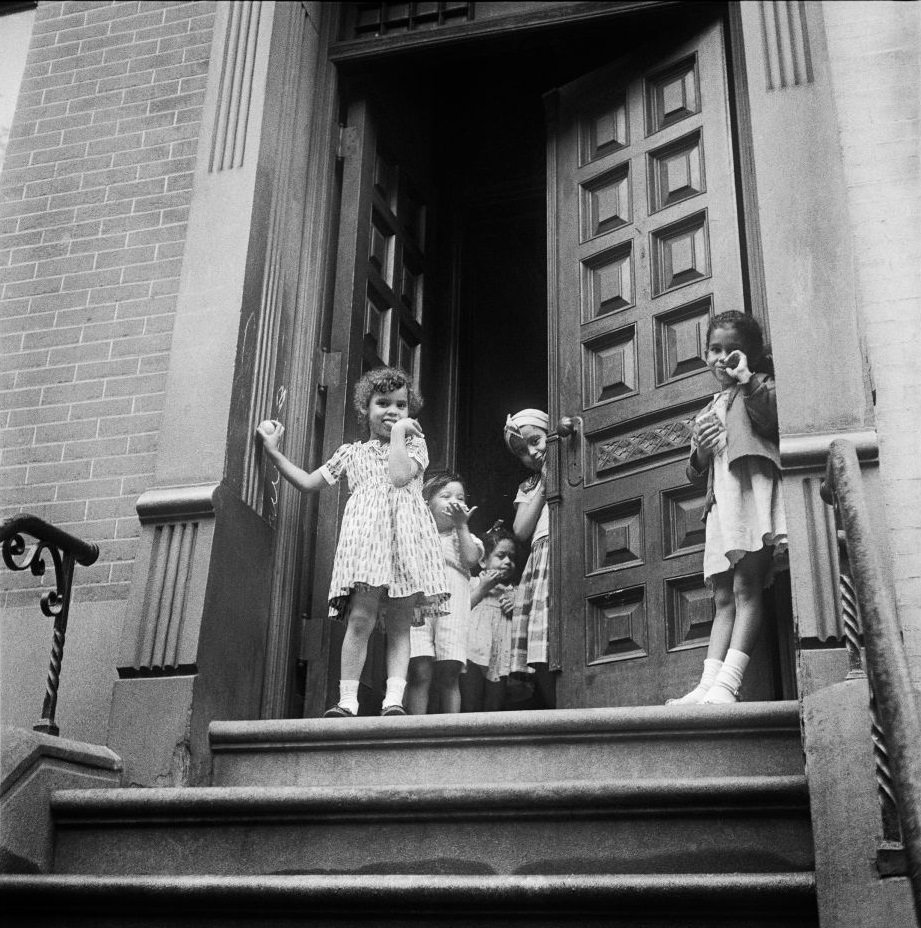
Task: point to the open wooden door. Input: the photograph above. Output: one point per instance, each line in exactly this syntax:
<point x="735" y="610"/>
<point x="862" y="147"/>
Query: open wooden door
<point x="380" y="316"/>
<point x="642" y="188"/>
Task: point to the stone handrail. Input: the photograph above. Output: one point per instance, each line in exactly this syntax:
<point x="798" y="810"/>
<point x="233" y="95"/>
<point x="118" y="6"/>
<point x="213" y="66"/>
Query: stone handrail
<point x="887" y="664"/>
<point x="65" y="551"/>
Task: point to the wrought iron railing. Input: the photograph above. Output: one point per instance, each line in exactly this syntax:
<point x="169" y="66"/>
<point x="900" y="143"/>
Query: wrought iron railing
<point x="896" y="708"/>
<point x="65" y="550"/>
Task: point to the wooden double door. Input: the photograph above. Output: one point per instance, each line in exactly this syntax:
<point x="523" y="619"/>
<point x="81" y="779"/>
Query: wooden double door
<point x="643" y="246"/>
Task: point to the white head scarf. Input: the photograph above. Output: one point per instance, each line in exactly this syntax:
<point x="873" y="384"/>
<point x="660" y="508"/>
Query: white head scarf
<point x="534" y="417"/>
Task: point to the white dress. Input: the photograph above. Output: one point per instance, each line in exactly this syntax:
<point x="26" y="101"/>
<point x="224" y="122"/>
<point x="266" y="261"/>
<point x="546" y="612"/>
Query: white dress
<point x="748" y="513"/>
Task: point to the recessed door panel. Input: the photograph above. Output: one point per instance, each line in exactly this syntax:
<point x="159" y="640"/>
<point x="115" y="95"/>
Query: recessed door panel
<point x="646" y="249"/>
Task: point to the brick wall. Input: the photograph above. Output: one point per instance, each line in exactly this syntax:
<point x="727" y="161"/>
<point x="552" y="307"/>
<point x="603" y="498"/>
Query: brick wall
<point x="875" y="55"/>
<point x="94" y="200"/>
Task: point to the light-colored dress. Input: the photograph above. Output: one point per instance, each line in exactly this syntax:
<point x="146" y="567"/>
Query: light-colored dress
<point x="388" y="536"/>
<point x="531" y="617"/>
<point x="748" y="513"/>
<point x="444" y="637"/>
<point x="489" y="642"/>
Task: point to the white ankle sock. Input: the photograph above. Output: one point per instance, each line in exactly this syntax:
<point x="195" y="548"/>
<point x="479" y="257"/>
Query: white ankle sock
<point x="725" y="688"/>
<point x="708" y="678"/>
<point x="348" y="695"/>
<point x="394" y="694"/>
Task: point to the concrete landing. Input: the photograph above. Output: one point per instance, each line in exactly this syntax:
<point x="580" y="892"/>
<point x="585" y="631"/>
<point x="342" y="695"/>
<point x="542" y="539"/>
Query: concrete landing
<point x="511" y="747"/>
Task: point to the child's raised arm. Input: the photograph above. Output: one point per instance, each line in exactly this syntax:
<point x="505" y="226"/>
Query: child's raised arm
<point x="528" y="512"/>
<point x="270" y="433"/>
<point x="471" y="548"/>
<point x="402" y="467"/>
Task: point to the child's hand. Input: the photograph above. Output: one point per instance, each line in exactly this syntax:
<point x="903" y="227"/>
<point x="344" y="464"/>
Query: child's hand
<point x="406" y="427"/>
<point x="270" y="432"/>
<point x="507" y="602"/>
<point x="707" y="433"/>
<point x="459" y="512"/>
<point x="489" y="578"/>
<point x="736" y="366"/>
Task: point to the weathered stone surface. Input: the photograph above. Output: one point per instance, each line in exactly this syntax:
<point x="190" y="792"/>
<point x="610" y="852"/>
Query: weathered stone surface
<point x="511" y="747"/>
<point x="35" y="765"/>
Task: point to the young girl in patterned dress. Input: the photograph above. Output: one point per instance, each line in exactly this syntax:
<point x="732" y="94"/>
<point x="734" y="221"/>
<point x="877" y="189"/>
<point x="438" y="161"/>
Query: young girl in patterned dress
<point x="735" y="455"/>
<point x="388" y="561"/>
<point x="526" y="438"/>
<point x="489" y="640"/>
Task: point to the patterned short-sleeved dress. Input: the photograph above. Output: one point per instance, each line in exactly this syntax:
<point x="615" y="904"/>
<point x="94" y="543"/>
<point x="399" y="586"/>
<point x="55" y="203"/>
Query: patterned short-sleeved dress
<point x="489" y="642"/>
<point x="388" y="536"/>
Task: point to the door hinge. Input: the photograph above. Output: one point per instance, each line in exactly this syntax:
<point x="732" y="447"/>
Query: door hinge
<point x="348" y="142"/>
<point x="329" y="369"/>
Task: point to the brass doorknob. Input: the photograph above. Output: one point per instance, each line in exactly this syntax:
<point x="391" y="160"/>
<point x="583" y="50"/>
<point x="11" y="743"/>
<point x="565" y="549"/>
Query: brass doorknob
<point x="567" y="426"/>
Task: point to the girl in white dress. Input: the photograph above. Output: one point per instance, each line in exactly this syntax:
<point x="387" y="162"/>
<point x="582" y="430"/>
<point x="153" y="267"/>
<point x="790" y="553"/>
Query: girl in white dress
<point x="438" y="647"/>
<point x="388" y="563"/>
<point x="735" y="454"/>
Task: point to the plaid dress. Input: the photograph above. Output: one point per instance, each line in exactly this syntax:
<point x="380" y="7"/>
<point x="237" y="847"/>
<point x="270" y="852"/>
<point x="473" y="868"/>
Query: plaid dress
<point x="388" y="537"/>
<point x="531" y="617"/>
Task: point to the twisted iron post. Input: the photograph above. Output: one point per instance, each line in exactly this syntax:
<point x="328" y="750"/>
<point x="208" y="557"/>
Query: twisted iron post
<point x="887" y="664"/>
<point x="65" y="550"/>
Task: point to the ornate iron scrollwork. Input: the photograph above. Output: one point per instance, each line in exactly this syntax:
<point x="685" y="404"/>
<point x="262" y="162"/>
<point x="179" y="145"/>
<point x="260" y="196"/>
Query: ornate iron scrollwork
<point x="65" y="551"/>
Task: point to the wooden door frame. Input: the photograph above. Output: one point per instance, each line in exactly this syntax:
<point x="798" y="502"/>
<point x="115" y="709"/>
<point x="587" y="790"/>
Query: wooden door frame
<point x="315" y="297"/>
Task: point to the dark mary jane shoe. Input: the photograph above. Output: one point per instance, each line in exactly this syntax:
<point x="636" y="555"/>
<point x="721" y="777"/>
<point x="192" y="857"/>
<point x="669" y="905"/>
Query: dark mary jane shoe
<point x="338" y="712"/>
<point x="393" y="710"/>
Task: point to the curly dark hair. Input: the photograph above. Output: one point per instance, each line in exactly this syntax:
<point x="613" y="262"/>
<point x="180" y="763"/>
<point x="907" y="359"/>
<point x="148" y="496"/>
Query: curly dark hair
<point x="438" y="482"/>
<point x="750" y="338"/>
<point x="497" y="533"/>
<point x="384" y="380"/>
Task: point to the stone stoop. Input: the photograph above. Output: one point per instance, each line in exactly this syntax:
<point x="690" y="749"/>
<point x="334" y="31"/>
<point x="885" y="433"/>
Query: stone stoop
<point x="643" y="817"/>
<point x="760" y="739"/>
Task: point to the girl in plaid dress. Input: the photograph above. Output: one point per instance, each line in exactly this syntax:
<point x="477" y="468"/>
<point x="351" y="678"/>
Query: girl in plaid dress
<point x="526" y="438"/>
<point x="388" y="563"/>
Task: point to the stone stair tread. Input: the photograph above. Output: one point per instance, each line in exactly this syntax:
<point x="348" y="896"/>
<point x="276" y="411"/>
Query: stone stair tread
<point x="567" y="724"/>
<point x="411" y="890"/>
<point x="226" y="804"/>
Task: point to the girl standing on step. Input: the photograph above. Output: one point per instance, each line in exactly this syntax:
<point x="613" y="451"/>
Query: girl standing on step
<point x="735" y="455"/>
<point x="489" y="639"/>
<point x="438" y="647"/>
<point x="388" y="566"/>
<point x="526" y="437"/>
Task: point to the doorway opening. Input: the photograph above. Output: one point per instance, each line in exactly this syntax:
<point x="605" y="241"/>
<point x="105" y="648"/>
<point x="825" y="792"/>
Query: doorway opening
<point x="470" y="121"/>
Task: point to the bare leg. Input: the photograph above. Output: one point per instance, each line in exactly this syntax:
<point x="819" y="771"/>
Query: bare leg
<point x="398" y="622"/>
<point x="363" y="605"/>
<point x="417" y="690"/>
<point x="724" y="617"/>
<point x="446" y="682"/>
<point x="720" y="634"/>
<point x="748" y="580"/>
<point x="748" y="583"/>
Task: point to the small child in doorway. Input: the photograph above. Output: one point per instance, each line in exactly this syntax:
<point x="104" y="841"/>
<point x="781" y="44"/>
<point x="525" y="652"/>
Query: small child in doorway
<point x="526" y="437"/>
<point x="439" y="646"/>
<point x="735" y="455"/>
<point x="489" y="642"/>
<point x="388" y="560"/>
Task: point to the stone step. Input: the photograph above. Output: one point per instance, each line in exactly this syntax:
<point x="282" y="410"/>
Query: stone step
<point x="724" y="824"/>
<point x="508" y="747"/>
<point x="725" y="900"/>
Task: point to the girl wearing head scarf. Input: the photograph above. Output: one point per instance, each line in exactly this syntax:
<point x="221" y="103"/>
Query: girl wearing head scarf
<point x="526" y="438"/>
